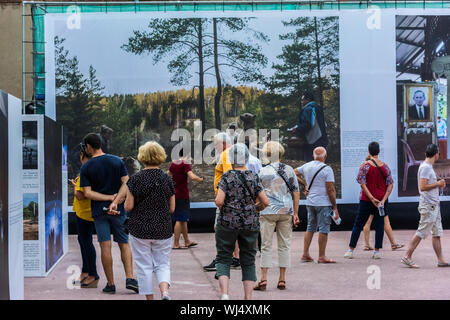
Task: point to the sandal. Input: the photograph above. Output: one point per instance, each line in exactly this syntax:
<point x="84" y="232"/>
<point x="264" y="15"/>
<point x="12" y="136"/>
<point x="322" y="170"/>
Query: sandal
<point x="410" y="264"/>
<point x="368" y="248"/>
<point x="262" y="285"/>
<point x="281" y="285"/>
<point x="397" y="246"/>
<point x="307" y="259"/>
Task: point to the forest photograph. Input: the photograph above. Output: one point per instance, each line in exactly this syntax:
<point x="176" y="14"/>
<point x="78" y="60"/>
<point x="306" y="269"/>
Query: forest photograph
<point x="145" y="77"/>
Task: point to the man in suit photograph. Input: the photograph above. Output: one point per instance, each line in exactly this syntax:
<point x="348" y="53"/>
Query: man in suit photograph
<point x="419" y="111"/>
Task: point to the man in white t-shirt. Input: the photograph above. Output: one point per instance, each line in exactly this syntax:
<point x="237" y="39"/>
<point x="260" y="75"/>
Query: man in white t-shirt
<point x="430" y="214"/>
<point x="318" y="179"/>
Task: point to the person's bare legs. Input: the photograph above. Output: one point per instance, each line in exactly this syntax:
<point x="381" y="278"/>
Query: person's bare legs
<point x="438" y="249"/>
<point x="412" y="246"/>
<point x="176" y="234"/>
<point x="127" y="259"/>
<point x="236" y="251"/>
<point x="323" y="238"/>
<point x="264" y="274"/>
<point x="248" y="289"/>
<point x="224" y="282"/>
<point x="366" y="231"/>
<point x="84" y="275"/>
<point x="282" y="274"/>
<point x="107" y="262"/>
<point x="184" y="231"/>
<point x="388" y="230"/>
<point x="164" y="288"/>
<point x="149" y="297"/>
<point x="307" y="243"/>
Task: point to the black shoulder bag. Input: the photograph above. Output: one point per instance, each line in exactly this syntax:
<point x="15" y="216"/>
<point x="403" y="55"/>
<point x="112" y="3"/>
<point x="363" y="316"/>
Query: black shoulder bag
<point x="314" y="177"/>
<point x="379" y="169"/>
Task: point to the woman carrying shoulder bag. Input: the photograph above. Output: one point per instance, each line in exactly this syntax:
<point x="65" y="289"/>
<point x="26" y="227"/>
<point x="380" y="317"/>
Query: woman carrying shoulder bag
<point x="281" y="186"/>
<point x="238" y="191"/>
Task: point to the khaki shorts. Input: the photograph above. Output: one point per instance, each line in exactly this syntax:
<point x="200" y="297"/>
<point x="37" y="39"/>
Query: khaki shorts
<point x="430" y="221"/>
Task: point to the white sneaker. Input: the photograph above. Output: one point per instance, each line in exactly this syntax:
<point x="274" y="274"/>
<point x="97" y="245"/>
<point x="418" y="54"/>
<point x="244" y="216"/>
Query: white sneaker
<point x="376" y="255"/>
<point x="225" y="297"/>
<point x="348" y="254"/>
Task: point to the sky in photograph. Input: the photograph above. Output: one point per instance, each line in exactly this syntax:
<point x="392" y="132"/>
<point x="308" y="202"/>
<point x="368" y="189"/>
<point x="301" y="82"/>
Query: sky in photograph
<point x="98" y="43"/>
<point x="28" y="197"/>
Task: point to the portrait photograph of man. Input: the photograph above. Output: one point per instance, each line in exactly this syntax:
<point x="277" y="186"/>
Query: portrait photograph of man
<point x="419" y="103"/>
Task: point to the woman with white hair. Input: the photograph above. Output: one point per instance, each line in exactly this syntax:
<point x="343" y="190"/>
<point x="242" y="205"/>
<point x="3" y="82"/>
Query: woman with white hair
<point x="281" y="186"/>
<point x="238" y="192"/>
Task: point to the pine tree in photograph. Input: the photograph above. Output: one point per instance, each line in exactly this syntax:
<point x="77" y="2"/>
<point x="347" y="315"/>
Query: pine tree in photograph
<point x="311" y="60"/>
<point x="202" y="44"/>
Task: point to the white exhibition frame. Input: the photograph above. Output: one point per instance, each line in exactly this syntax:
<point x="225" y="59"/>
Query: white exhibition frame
<point x="15" y="207"/>
<point x="34" y="252"/>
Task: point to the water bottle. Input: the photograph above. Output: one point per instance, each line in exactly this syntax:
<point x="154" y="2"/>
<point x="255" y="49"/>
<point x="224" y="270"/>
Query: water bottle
<point x="381" y="211"/>
<point x="333" y="216"/>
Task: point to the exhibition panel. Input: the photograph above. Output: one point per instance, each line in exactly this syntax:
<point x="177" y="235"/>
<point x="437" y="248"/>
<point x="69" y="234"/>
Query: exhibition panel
<point x="11" y="243"/>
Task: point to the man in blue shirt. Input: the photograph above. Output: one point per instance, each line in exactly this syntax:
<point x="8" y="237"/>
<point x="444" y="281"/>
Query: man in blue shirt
<point x="311" y="126"/>
<point x="104" y="179"/>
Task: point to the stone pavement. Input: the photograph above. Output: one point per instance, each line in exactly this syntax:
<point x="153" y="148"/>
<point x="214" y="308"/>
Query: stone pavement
<point x="346" y="280"/>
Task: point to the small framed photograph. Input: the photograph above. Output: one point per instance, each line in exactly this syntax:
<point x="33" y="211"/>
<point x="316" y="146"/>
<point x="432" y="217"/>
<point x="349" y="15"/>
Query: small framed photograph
<point x="419" y="101"/>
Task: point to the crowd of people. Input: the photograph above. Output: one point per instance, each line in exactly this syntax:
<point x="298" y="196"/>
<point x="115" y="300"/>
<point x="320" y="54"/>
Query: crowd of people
<point x="253" y="200"/>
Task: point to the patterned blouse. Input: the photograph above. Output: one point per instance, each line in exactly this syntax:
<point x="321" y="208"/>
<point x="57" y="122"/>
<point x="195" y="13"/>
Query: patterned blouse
<point x="239" y="210"/>
<point x="150" y="218"/>
<point x="277" y="189"/>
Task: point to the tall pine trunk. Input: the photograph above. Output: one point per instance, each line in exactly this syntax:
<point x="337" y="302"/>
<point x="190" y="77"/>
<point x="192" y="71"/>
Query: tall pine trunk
<point x="319" y="75"/>
<point x="218" y="95"/>
<point x="201" y="74"/>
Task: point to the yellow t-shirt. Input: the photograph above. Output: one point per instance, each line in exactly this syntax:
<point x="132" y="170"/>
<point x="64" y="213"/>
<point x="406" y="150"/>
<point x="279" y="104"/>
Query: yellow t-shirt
<point x="82" y="207"/>
<point x="223" y="166"/>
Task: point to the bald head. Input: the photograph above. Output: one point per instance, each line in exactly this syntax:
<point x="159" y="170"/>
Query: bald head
<point x="320" y="154"/>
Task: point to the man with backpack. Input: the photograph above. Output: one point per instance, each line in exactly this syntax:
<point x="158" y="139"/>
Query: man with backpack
<point x="311" y="126"/>
<point x="318" y="180"/>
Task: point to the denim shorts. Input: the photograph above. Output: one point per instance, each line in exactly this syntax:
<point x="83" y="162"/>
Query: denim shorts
<point x="319" y="219"/>
<point x="107" y="224"/>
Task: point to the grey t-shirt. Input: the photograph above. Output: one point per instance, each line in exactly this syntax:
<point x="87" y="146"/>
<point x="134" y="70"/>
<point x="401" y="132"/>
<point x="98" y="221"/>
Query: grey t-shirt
<point x="317" y="195"/>
<point x="426" y="171"/>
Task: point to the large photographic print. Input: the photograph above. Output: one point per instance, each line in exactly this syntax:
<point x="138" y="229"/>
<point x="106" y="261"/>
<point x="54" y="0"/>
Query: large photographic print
<point x="162" y="74"/>
<point x="29" y="145"/>
<point x="421" y="97"/>
<point x="53" y="193"/>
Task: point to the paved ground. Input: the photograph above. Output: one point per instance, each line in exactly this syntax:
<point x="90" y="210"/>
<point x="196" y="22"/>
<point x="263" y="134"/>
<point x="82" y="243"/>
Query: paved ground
<point x="345" y="280"/>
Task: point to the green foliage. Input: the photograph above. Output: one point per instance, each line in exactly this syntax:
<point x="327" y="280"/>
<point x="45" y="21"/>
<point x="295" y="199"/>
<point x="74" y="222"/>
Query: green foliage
<point x="77" y="97"/>
<point x="442" y="105"/>
<point x="31" y="212"/>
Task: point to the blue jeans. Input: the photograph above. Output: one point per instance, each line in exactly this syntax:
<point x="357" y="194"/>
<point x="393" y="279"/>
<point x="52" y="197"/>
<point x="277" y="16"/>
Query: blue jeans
<point x="88" y="256"/>
<point x="365" y="209"/>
